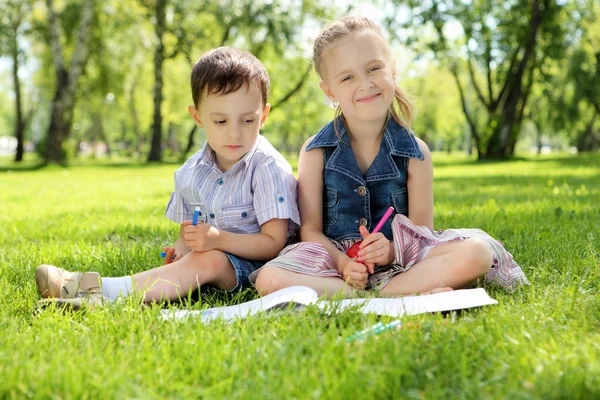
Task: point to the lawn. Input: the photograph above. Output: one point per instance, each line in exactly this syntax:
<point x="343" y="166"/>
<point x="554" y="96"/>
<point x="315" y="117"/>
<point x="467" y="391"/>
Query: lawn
<point x="543" y="341"/>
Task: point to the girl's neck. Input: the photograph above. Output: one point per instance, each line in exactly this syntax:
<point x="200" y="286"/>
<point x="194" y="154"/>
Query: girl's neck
<point x="364" y="131"/>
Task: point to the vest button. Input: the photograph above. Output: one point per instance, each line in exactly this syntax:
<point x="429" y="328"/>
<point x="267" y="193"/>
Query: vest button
<point x="363" y="222"/>
<point x="362" y="191"/>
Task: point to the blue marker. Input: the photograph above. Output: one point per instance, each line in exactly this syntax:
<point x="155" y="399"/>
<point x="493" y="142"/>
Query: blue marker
<point x="197" y="213"/>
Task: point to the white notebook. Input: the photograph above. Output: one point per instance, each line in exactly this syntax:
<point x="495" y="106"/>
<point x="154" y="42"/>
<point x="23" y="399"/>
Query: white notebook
<point x="304" y="296"/>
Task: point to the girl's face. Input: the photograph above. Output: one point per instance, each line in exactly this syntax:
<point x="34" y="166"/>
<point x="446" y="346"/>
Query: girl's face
<point x="358" y="74"/>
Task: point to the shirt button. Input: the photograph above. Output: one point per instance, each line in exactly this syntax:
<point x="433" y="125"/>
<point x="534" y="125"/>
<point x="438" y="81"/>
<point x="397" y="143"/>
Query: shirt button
<point x="281" y="199"/>
<point x="212" y="215"/>
<point x="244" y="214"/>
<point x="220" y="182"/>
<point x="363" y="222"/>
<point x="361" y="191"/>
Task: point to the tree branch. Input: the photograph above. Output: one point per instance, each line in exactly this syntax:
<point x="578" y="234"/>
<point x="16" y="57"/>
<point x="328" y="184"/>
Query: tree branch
<point x="80" y="53"/>
<point x="464" y="107"/>
<point x="295" y="89"/>
<point x="475" y="85"/>
<point x="57" y="51"/>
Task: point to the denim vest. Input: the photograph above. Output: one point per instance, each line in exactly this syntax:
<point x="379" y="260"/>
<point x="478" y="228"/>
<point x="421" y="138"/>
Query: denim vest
<point x="351" y="199"/>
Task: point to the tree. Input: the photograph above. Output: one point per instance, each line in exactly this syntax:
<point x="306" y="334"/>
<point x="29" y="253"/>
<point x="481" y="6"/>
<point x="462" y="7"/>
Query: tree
<point x="67" y="78"/>
<point x="502" y="46"/>
<point x="14" y="12"/>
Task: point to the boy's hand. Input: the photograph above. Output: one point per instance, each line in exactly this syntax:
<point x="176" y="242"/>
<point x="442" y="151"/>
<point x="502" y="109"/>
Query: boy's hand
<point x="375" y="249"/>
<point x="201" y="237"/>
<point x="171" y="255"/>
<point x="355" y="274"/>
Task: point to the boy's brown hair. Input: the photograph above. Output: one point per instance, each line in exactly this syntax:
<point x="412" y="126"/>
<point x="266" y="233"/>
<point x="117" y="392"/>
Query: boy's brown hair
<point x="225" y="70"/>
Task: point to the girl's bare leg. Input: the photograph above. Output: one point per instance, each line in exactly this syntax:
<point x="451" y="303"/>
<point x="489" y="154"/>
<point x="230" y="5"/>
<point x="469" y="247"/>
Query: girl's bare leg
<point x="453" y="265"/>
<point x="271" y="279"/>
<point x="177" y="279"/>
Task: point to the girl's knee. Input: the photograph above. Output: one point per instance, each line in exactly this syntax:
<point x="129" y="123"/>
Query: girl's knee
<point x="268" y="280"/>
<point x="479" y="255"/>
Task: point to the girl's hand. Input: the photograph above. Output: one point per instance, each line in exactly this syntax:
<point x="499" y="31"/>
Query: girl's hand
<point x="171" y="255"/>
<point x="201" y="237"/>
<point x="375" y="249"/>
<point x="355" y="274"/>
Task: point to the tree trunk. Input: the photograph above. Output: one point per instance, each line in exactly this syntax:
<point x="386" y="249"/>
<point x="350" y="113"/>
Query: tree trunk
<point x="19" y="122"/>
<point x="583" y="142"/>
<point x="61" y="115"/>
<point x="159" y="57"/>
<point x="190" y="143"/>
<point x="501" y="144"/>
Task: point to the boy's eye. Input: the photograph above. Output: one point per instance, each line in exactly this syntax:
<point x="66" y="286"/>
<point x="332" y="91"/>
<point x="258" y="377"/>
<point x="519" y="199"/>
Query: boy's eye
<point x="346" y="78"/>
<point x="220" y="122"/>
<point x="248" y="121"/>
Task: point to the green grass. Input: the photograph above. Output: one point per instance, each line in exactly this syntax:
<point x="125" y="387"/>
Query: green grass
<point x="541" y="342"/>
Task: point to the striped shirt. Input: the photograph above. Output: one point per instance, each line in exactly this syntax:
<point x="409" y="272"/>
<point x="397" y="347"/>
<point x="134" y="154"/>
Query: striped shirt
<point x="259" y="188"/>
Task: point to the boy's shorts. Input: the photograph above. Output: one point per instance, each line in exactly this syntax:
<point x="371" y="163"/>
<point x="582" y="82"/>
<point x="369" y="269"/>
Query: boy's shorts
<point x="243" y="268"/>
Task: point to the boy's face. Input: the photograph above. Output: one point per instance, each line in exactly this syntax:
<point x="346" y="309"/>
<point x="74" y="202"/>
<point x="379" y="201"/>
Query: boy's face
<point x="357" y="73"/>
<point x="231" y="122"/>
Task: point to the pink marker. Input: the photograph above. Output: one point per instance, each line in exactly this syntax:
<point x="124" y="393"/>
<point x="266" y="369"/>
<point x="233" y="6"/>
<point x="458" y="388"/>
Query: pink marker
<point x="355" y="248"/>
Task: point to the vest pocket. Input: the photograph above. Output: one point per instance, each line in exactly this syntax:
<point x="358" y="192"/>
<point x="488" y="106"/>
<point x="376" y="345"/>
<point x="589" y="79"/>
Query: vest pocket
<point x="240" y="218"/>
<point x="400" y="201"/>
<point x="331" y="200"/>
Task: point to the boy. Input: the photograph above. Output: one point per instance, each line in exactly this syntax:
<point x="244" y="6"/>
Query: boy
<point x="244" y="188"/>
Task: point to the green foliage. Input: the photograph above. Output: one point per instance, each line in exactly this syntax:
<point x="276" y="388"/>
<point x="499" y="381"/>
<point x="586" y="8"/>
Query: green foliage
<point x="540" y="342"/>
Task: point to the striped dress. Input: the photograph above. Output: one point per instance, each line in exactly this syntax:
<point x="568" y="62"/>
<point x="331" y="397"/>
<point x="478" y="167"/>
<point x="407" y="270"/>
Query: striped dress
<point x="412" y="244"/>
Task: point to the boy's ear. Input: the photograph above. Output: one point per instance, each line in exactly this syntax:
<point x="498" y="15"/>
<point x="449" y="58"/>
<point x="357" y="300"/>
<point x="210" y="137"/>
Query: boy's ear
<point x="195" y="115"/>
<point x="325" y="88"/>
<point x="263" y="117"/>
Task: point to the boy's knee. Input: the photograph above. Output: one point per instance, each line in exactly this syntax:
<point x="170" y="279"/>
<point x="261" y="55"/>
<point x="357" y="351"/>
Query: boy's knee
<point x="479" y="254"/>
<point x="268" y="280"/>
<point x="213" y="260"/>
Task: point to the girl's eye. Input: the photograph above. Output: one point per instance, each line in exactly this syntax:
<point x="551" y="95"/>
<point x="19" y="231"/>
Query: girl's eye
<point x="346" y="78"/>
<point x="372" y="69"/>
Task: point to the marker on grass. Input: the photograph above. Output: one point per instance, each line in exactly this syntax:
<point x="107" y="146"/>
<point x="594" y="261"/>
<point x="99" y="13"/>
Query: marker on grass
<point x="197" y="213"/>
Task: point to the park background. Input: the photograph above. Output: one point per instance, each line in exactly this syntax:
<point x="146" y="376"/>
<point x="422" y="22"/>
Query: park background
<point x="93" y="124"/>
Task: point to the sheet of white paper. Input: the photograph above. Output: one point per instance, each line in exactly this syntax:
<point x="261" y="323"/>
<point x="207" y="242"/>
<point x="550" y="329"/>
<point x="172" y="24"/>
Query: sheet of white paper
<point x="393" y="307"/>
<point x="411" y="305"/>
<point x="297" y="294"/>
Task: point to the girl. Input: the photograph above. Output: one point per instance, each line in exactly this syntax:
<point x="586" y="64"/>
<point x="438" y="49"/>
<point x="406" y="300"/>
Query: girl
<point x="357" y="166"/>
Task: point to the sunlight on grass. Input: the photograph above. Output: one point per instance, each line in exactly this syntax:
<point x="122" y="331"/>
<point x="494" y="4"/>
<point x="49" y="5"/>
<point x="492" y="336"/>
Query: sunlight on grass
<point x="540" y="342"/>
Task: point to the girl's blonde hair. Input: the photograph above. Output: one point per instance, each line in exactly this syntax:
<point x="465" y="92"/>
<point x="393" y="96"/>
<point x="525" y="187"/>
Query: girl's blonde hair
<point x="403" y="112"/>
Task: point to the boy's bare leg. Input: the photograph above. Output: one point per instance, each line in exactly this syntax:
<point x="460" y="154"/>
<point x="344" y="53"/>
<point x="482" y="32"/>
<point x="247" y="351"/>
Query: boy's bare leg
<point x="271" y="279"/>
<point x="453" y="265"/>
<point x="177" y="279"/>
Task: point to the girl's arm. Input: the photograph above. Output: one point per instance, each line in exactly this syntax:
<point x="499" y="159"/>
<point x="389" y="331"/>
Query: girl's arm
<point x="420" y="188"/>
<point x="310" y="202"/>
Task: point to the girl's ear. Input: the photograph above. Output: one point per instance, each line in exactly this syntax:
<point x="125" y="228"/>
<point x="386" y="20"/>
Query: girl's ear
<point x="193" y="111"/>
<point x="327" y="90"/>
<point x="263" y="117"/>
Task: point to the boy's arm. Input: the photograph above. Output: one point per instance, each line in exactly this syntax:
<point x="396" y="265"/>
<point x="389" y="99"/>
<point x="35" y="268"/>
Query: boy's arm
<point x="258" y="246"/>
<point x="181" y="248"/>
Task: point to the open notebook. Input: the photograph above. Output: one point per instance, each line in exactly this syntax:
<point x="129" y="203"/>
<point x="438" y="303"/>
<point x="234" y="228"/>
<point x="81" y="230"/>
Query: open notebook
<point x="304" y="296"/>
